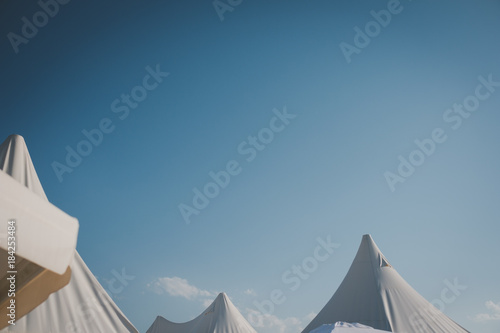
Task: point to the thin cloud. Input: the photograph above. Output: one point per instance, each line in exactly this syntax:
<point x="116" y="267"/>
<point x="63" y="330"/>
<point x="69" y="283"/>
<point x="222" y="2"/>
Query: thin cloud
<point x="176" y="286"/>
<point x="310" y="316"/>
<point x="494" y="312"/>
<point x="250" y="292"/>
<point x="268" y="323"/>
<point x="206" y="302"/>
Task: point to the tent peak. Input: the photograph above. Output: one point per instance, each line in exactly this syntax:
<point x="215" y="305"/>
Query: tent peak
<point x="368" y="239"/>
<point x="374" y="294"/>
<point x="15" y="161"/>
<point x="222" y="296"/>
<point x="15" y="136"/>
<point x="219" y="317"/>
<point x="14" y="139"/>
<point x="369" y="251"/>
<point x="16" y="164"/>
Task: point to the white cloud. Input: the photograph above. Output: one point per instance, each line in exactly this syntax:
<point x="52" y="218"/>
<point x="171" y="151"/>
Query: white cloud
<point x="176" y="286"/>
<point x="268" y="323"/>
<point x="250" y="292"/>
<point x="494" y="313"/>
<point x="207" y="302"/>
<point x="310" y="317"/>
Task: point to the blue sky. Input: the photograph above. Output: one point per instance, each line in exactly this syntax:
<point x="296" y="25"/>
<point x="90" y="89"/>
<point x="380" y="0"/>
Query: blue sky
<point x="322" y="175"/>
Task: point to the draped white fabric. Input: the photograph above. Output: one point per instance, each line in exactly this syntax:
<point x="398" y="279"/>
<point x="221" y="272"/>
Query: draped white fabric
<point x="374" y="294"/>
<point x="220" y="317"/>
<point x="83" y="305"/>
<point x="45" y="235"/>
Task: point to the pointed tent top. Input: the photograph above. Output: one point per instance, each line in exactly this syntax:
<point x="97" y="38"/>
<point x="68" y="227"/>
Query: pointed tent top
<point x="367" y="238"/>
<point x="369" y="252"/>
<point x="222" y="296"/>
<point x="219" y="317"/>
<point x="15" y="137"/>
<point x="15" y="160"/>
<point x="221" y="303"/>
<point x="368" y="242"/>
<point x="374" y="294"/>
<point x="51" y="235"/>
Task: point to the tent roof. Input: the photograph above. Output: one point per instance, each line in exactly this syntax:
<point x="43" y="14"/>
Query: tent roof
<point x="46" y="235"/>
<point x="15" y="160"/>
<point x="374" y="294"/>
<point x="220" y="317"/>
<point x="82" y="305"/>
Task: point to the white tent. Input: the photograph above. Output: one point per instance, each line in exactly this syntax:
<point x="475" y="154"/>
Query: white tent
<point x="374" y="294"/>
<point x="81" y="306"/>
<point x="220" y="317"/>
<point x="46" y="235"/>
<point x="37" y="239"/>
<point x="342" y="327"/>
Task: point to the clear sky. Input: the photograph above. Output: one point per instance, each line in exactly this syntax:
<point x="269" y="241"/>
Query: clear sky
<point x="307" y="116"/>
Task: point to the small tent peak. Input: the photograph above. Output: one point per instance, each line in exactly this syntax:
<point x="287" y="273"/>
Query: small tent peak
<point x="15" y="136"/>
<point x="371" y="250"/>
<point x="220" y="317"/>
<point x="374" y="294"/>
<point x="368" y="240"/>
<point x="224" y="296"/>
<point x="221" y="295"/>
<point x="15" y="140"/>
<point x="15" y="161"/>
<point x="367" y="237"/>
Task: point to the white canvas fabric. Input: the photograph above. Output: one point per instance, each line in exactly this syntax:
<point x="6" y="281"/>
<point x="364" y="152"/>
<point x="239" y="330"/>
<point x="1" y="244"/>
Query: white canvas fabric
<point x="15" y="160"/>
<point x="45" y="235"/>
<point x="220" y="317"/>
<point x="374" y="294"/>
<point x="342" y="327"/>
<point x="82" y="306"/>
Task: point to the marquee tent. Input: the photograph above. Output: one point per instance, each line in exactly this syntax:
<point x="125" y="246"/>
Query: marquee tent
<point x="374" y="294"/>
<point x="220" y="317"/>
<point x="342" y="327"/>
<point x="46" y="235"/>
<point x="37" y="239"/>
<point x="82" y="305"/>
